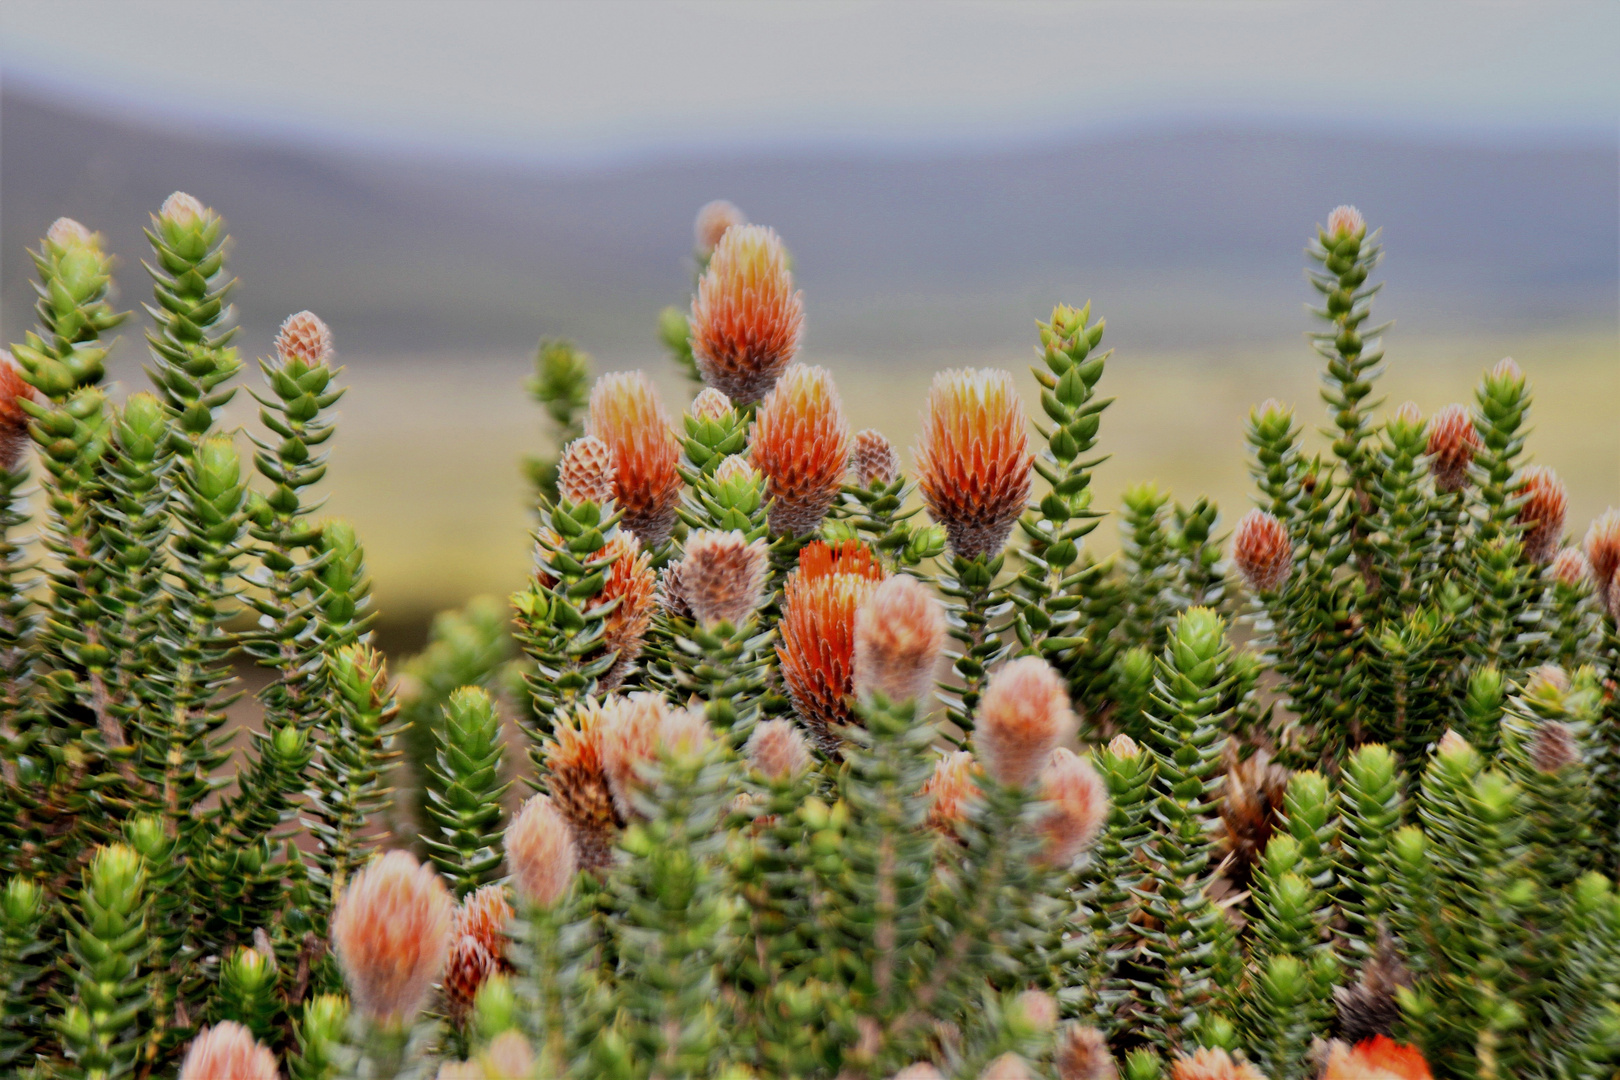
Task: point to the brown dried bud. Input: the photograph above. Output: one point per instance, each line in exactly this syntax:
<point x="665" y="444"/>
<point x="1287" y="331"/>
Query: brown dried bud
<point x="1554" y="748"/>
<point x="951" y="789"/>
<point x="14" y="390"/>
<point x="1255" y="788"/>
<point x="899" y="635"/>
<point x="1262" y="550"/>
<point x="712" y="222"/>
<point x="391" y="933"/>
<point x="1208" y="1064"/>
<point x="586" y="472"/>
<point x="875" y="460"/>
<point x="540" y="853"/>
<point x="181" y="209"/>
<point x="228" y="1051"/>
<point x="722" y="577"/>
<point x="672" y="592"/>
<point x="1346" y="221"/>
<point x="710" y="404"/>
<point x="1078" y="801"/>
<point x="304" y="337"/>
<point x="778" y="750"/>
<point x="1082" y="1054"/>
<point x="1369" y="1008"/>
<point x="1453" y="442"/>
<point x="1023" y="717"/>
<point x="1546" y="501"/>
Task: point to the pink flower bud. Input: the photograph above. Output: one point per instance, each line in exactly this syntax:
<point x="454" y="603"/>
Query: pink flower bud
<point x="181" y="209"/>
<point x="391" y="933"/>
<point x="899" y="635"/>
<point x="304" y="337"/>
<point x="951" y="790"/>
<point x="1603" y="553"/>
<point x="1346" y="221"/>
<point x="778" y="750"/>
<point x="710" y="404"/>
<point x="1082" y="1054"/>
<point x="1208" y="1064"/>
<point x="540" y="853"/>
<point x="712" y="222"/>
<point x="586" y="472"/>
<point x="1023" y="717"/>
<point x="722" y="577"/>
<point x="1078" y="801"/>
<point x="228" y="1051"/>
<point x="1040" y="1009"/>
<point x="65" y="232"/>
<point x="1571" y="570"/>
<point x="1007" y="1067"/>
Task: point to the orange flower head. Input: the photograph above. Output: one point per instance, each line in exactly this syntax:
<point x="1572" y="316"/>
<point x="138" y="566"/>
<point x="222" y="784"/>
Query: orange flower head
<point x="586" y="472"/>
<point x="540" y="852"/>
<point x="710" y="404"/>
<point x="712" y="222"/>
<point x="625" y="413"/>
<point x="1453" y="442"/>
<point x="973" y="459"/>
<point x="576" y="761"/>
<point x="1603" y="554"/>
<point x="306" y="338"/>
<point x="1023" y="717"/>
<point x="632" y="582"/>
<point x="14" y="437"/>
<point x="817" y="630"/>
<point x="1571" y="570"/>
<point x="1079" y="806"/>
<point x="899" y="635"/>
<point x="952" y="789"/>
<point x="1346" y="221"/>
<point x="801" y="443"/>
<point x="483" y="915"/>
<point x="1207" y="1064"/>
<point x="875" y="460"/>
<point x="391" y="933"/>
<point x="1377" y="1058"/>
<point x="747" y="320"/>
<point x="778" y="751"/>
<point x="1082" y="1054"/>
<point x="1546" y="501"/>
<point x="228" y="1051"/>
<point x="723" y="576"/>
<point x="1262" y="551"/>
<point x="181" y="209"/>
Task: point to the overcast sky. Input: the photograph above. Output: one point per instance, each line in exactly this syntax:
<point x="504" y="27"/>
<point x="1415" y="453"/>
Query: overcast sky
<point x="602" y="79"/>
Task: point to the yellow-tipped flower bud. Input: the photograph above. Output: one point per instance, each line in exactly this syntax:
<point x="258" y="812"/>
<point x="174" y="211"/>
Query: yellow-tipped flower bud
<point x="1453" y="442"/>
<point x="973" y="459"/>
<point x="228" y="1051"/>
<point x="541" y="854"/>
<point x="801" y="443"/>
<point x="304" y="337"/>
<point x="586" y="472"/>
<point x="1262" y="550"/>
<point x="391" y="933"/>
<point x="899" y="635"/>
<point x="1023" y="717"/>
<point x="778" y="750"/>
<point x="747" y="320"/>
<point x="722" y="578"/>
<point x="1345" y="221"/>
<point x="1078" y="806"/>
<point x="626" y="414"/>
<point x="712" y="222"/>
<point x="1546" y="502"/>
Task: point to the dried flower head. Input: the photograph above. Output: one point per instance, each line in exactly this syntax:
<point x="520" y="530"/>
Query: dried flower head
<point x="1023" y="717"/>
<point x="778" y="750"/>
<point x="723" y="576"/>
<point x="14" y="437"/>
<point x="65" y="232"/>
<point x="747" y="320"/>
<point x="391" y="933"/>
<point x="625" y="413"/>
<point x="801" y="442"/>
<point x="228" y="1051"/>
<point x="710" y="404"/>
<point x="1377" y="1058"/>
<point x="875" y="460"/>
<point x="540" y="852"/>
<point x="952" y="789"/>
<point x="304" y="337"/>
<point x="579" y="785"/>
<point x="712" y="222"/>
<point x="1255" y="788"/>
<point x="1211" y="1064"/>
<point x="1554" y="748"/>
<point x="181" y="209"/>
<point x="817" y="631"/>
<point x="1603" y="554"/>
<point x="1346" y="221"/>
<point x="1370" y="1007"/>
<point x="1453" y="442"/>
<point x="1262" y="550"/>
<point x="973" y="459"/>
<point x="1082" y="1054"/>
<point x="1546" y="501"/>
<point x="1078" y="807"/>
<point x="899" y="635"/>
<point x="586" y="472"/>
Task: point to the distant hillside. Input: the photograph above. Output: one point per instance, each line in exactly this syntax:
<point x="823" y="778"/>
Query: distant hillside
<point x="1182" y="237"/>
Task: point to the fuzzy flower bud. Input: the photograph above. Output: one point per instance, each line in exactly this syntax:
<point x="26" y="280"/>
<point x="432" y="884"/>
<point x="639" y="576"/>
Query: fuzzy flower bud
<point x="1082" y="1054"/>
<point x="722" y="578"/>
<point x="899" y="635"/>
<point x="1079" y="806"/>
<point x="710" y="404"/>
<point x="920" y="1071"/>
<point x="973" y="459"/>
<point x="1345" y="221"/>
<point x="586" y="472"/>
<point x="1123" y="746"/>
<point x="540" y="853"/>
<point x="1377" y="1058"/>
<point x="1546" y="501"/>
<point x="1262" y="550"/>
<point x="181" y="209"/>
<point x="580" y="788"/>
<point x="65" y="232"/>
<point x="817" y="652"/>
<point x="712" y="222"/>
<point x="1007" y="1067"/>
<point x="305" y="338"/>
<point x="747" y="320"/>
<point x="391" y="933"/>
<point x="630" y="730"/>
<point x="1453" y="442"/>
<point x="778" y="751"/>
<point x="1212" y="1064"/>
<point x="1452" y="744"/>
<point x="1023" y="717"/>
<point x="1603" y="554"/>
<point x="801" y="442"/>
<point x="228" y="1051"/>
<point x="1039" y="1009"/>
<point x="951" y="789"/>
<point x="14" y="437"/>
<point x="626" y="414"/>
<point x="1571" y="570"/>
<point x="875" y="461"/>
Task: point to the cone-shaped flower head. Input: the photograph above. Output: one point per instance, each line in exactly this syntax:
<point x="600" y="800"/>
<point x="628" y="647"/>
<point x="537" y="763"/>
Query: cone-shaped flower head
<point x="747" y="320"/>
<point x="181" y="209"/>
<point x="630" y="740"/>
<point x="1571" y="570"/>
<point x="1082" y="1054"/>
<point x="1542" y="512"/>
<point x="801" y="443"/>
<point x="1078" y="800"/>
<point x="951" y="789"/>
<point x="228" y="1051"/>
<point x="1603" y="553"/>
<point x="626" y="414"/>
<point x="14" y="390"/>
<point x="973" y="459"/>
<point x="1262" y="551"/>
<point x="1208" y="1064"/>
<point x="304" y="337"/>
<point x="631" y="581"/>
<point x="710" y="404"/>
<point x="899" y="635"/>
<point x="1377" y="1058"/>
<point x="875" y="460"/>
<point x="722" y="578"/>
<point x="1007" y="1067"/>
<point x="579" y="785"/>
<point x="1453" y="442"/>
<point x="1023" y="717"/>
<point x="540" y="853"/>
<point x="586" y="472"/>
<point x="712" y="222"/>
<point x="778" y="750"/>
<point x="477" y="949"/>
<point x="817" y="630"/>
<point x="1345" y="221"/>
<point x="392" y="933"/>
